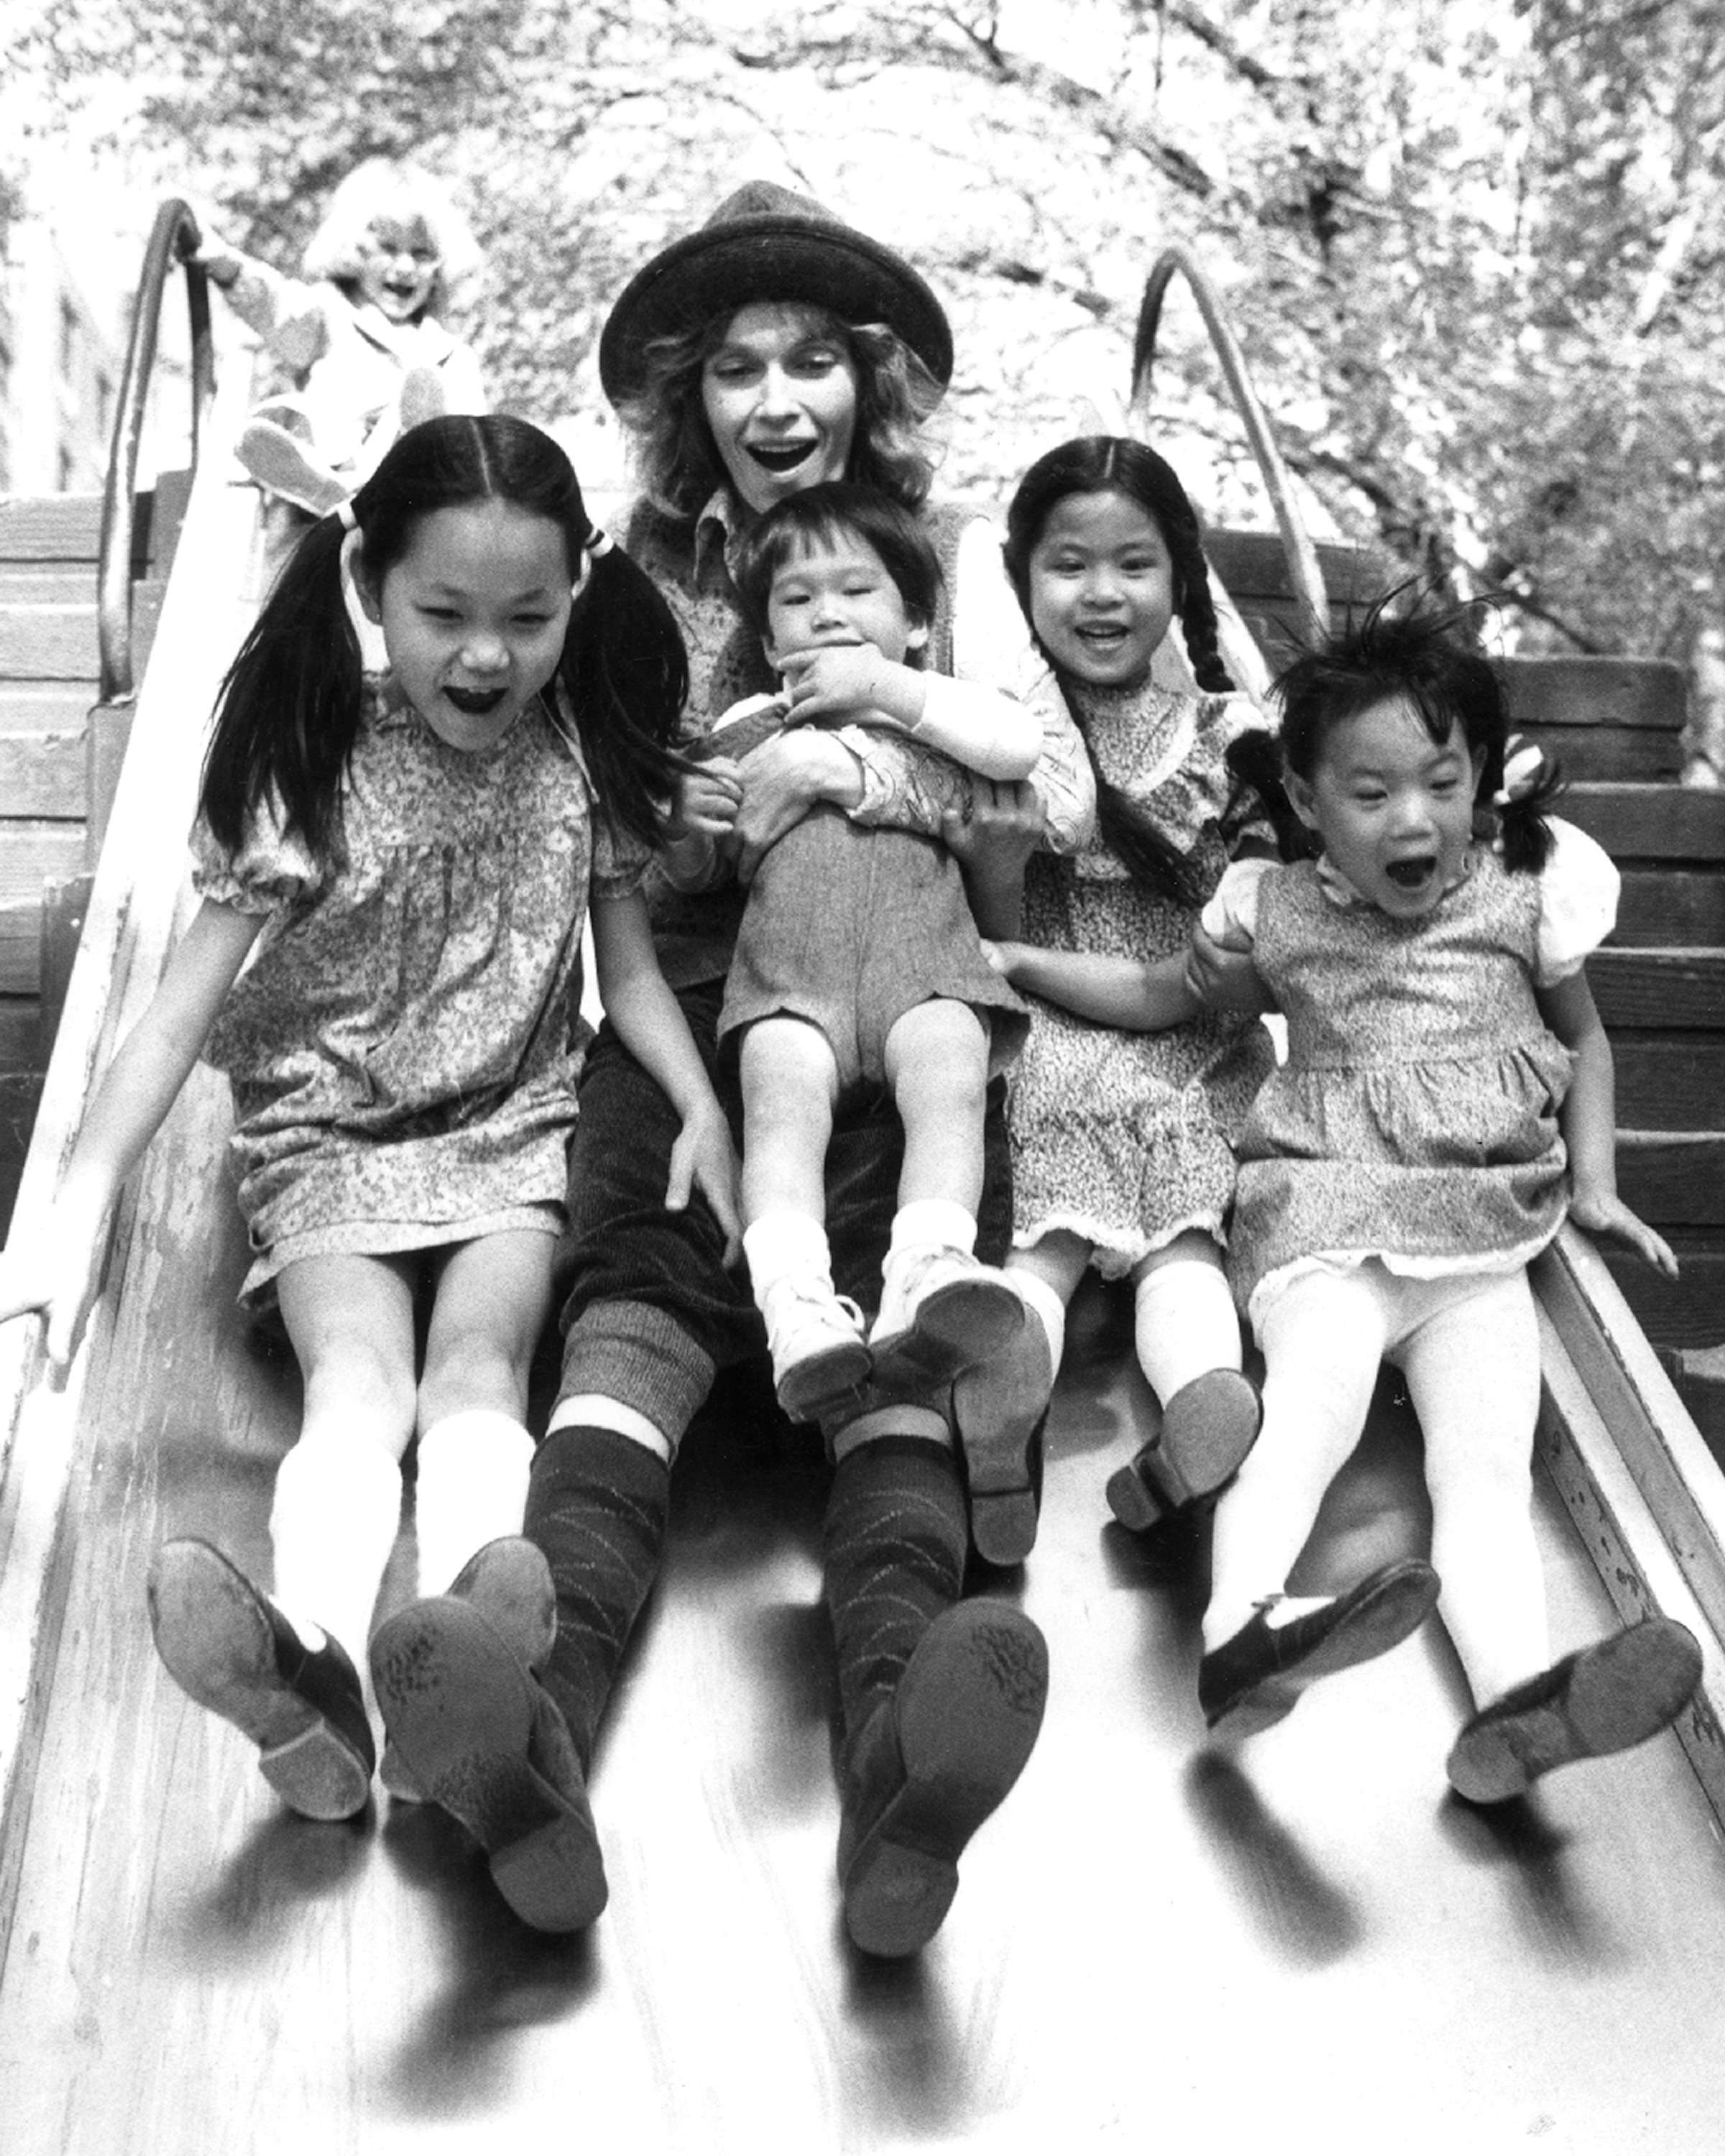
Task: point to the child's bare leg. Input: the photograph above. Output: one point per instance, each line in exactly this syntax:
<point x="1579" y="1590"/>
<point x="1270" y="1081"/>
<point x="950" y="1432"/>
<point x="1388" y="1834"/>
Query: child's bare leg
<point x="789" y="1079"/>
<point x="941" y="1311"/>
<point x="1188" y="1339"/>
<point x="287" y="1673"/>
<point x="337" y="1502"/>
<point x="493" y="1296"/>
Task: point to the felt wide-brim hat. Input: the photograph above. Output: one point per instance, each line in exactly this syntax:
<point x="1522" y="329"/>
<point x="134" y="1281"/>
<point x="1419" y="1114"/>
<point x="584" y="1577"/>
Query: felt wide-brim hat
<point x="765" y="243"/>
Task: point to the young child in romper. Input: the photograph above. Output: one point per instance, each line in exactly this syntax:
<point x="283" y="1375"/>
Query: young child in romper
<point x="357" y="338"/>
<point x="1129" y="1092"/>
<point x="407" y="862"/>
<point x="858" y="960"/>
<point x="1446" y="1101"/>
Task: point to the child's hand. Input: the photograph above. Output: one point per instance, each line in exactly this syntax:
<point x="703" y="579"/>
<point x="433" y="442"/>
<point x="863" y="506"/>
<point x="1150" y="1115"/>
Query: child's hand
<point x="1223" y="976"/>
<point x="705" y="1158"/>
<point x="834" y="681"/>
<point x="705" y="802"/>
<point x="1603" y="1213"/>
<point x="997" y="835"/>
<point x="1003" y="957"/>
<point x="58" y="1276"/>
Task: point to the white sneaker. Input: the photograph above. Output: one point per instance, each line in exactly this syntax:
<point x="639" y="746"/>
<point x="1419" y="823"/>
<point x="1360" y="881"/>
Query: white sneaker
<point x="941" y="1311"/>
<point x="816" y="1340"/>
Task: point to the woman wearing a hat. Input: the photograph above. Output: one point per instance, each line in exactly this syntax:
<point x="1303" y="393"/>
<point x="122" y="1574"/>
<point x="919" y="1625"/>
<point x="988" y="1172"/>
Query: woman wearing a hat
<point x="773" y="348"/>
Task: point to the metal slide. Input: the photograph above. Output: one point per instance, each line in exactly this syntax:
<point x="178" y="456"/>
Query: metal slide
<point x="1301" y="1945"/>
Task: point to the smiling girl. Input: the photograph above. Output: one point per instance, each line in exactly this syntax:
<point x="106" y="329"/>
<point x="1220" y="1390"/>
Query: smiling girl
<point x="1129" y="1092"/>
<point x="407" y="865"/>
<point x="1446" y="1100"/>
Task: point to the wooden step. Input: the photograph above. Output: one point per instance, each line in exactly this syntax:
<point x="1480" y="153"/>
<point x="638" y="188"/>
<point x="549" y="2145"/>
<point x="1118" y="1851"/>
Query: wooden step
<point x="1650" y="822"/>
<point x="1253" y="570"/>
<point x="1602" y="718"/>
<point x="1662" y="907"/>
<point x="1659" y="986"/>
<point x="43" y="775"/>
<point x="55" y="527"/>
<point x="1688" y="1312"/>
<point x="1669" y="1081"/>
<point x="1675" y="1178"/>
<point x="49" y="643"/>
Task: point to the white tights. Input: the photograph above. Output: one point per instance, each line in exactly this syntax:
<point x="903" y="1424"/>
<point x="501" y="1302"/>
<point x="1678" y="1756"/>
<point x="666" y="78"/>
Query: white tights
<point x="1468" y="1346"/>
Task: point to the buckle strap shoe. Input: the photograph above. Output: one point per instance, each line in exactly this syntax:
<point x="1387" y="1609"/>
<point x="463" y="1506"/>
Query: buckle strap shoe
<point x="229" y="1648"/>
<point x="1253" y="1680"/>
<point x="1603" y="1698"/>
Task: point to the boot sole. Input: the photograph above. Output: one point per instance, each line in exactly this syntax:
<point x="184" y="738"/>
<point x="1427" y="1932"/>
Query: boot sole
<point x="217" y="1644"/>
<point x="1621" y="1691"/>
<point x="968" y="1708"/>
<point x="458" y="1706"/>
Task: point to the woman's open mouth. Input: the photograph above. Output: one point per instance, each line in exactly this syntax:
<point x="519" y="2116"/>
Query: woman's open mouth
<point x="779" y="456"/>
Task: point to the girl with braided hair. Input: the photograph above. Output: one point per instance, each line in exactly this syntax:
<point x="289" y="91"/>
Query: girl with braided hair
<point x="1121" y="1134"/>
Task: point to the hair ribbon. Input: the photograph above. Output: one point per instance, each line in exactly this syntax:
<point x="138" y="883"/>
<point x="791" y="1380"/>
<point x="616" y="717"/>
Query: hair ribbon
<point x="346" y="516"/>
<point x="1523" y="763"/>
<point x="598" y="542"/>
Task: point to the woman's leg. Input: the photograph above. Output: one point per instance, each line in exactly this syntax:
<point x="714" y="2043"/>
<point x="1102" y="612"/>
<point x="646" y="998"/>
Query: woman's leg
<point x="475" y="1451"/>
<point x="1188" y="1339"/>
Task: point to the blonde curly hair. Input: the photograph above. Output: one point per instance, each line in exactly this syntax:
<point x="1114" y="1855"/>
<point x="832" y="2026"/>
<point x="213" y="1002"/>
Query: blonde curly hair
<point x="395" y="188"/>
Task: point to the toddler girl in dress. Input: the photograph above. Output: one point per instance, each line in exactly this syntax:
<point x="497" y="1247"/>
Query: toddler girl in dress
<point x="356" y="338"/>
<point x="1129" y="1092"/>
<point x="858" y="960"/>
<point x="1447" y="1098"/>
<point x="407" y="862"/>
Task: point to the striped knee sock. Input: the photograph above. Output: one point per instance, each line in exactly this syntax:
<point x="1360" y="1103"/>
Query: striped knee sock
<point x="597" y="1503"/>
<point x="895" y="1535"/>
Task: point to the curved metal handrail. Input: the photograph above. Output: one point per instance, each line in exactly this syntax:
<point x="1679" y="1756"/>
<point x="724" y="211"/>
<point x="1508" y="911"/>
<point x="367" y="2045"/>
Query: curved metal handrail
<point x="173" y="236"/>
<point x="1301" y="556"/>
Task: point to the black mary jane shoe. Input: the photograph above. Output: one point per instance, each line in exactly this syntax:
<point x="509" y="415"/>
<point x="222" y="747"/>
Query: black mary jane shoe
<point x="1603" y="1698"/>
<point x="229" y="1648"/>
<point x="483" y="1740"/>
<point x="1253" y="1680"/>
<point x="931" y="1765"/>
<point x="1208" y="1428"/>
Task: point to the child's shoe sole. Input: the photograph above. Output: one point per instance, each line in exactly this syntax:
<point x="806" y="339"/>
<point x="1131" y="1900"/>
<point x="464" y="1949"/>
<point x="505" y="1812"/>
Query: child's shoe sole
<point x="458" y="1706"/>
<point x="823" y="1381"/>
<point x="965" y="1718"/>
<point x="1208" y="1428"/>
<point x="1605" y="1698"/>
<point x="229" y="1650"/>
<point x="998" y="1407"/>
<point x="968" y="1321"/>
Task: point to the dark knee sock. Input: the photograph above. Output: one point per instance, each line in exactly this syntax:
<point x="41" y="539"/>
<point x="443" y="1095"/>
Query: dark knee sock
<point x="596" y="1506"/>
<point x="895" y="1548"/>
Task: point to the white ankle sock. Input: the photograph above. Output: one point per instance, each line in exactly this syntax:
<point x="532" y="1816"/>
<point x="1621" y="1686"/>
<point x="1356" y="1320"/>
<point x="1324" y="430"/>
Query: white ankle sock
<point x="1184" y="1325"/>
<point x="782" y="1245"/>
<point x="940" y="1222"/>
<point x="333" y="1524"/>
<point x="472" y="1487"/>
<point x="1046" y="1305"/>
